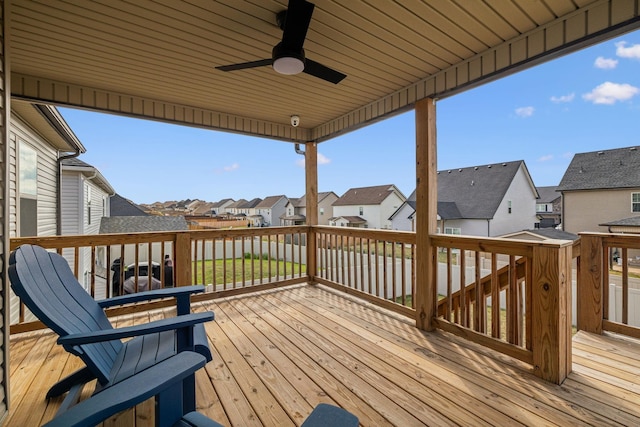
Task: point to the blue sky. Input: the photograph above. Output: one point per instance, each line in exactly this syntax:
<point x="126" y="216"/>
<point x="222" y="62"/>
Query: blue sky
<point x="587" y="101"/>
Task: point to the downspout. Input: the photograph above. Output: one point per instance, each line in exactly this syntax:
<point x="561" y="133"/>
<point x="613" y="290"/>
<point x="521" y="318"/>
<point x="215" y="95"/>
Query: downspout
<point x="59" y="189"/>
<point x="488" y="227"/>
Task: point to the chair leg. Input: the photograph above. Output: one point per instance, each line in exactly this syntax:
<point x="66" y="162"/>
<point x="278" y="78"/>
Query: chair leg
<point x="189" y="394"/>
<point x="80" y="376"/>
<point x="169" y="404"/>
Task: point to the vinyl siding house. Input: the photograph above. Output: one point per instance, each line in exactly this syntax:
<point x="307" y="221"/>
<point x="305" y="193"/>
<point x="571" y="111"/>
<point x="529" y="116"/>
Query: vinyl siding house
<point x="220" y="207"/>
<point x="296" y="209"/>
<point x="489" y="200"/>
<point x="270" y="209"/>
<point x="601" y="189"/>
<point x="549" y="207"/>
<point x="367" y="207"/>
<point x="85" y="201"/>
<point x="38" y="138"/>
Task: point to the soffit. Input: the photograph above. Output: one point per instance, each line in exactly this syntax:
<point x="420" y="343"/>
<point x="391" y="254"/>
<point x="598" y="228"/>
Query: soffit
<point x="156" y="59"/>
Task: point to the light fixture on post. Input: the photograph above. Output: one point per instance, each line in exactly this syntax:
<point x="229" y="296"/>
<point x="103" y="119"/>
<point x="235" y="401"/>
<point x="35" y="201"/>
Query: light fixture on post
<point x="286" y="61"/>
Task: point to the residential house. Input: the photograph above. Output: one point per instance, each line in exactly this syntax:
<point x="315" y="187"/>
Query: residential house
<point x="549" y="207"/>
<point x="220" y="207"/>
<point x="270" y="209"/>
<point x="38" y="139"/>
<point x="234" y="209"/>
<point x="367" y="207"/>
<point x="600" y="189"/>
<point x="85" y="195"/>
<point x="296" y="209"/>
<point x="249" y="208"/>
<point x="541" y="235"/>
<point x="489" y="200"/>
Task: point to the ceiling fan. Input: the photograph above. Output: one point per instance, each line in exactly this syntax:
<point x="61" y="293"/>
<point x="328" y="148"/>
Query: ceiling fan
<point x="287" y="56"/>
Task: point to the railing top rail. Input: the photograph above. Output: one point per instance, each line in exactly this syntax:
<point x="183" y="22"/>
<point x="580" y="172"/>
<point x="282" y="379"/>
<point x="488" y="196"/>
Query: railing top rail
<point x="518" y="247"/>
<point x="621" y="240"/>
<point x="61" y="242"/>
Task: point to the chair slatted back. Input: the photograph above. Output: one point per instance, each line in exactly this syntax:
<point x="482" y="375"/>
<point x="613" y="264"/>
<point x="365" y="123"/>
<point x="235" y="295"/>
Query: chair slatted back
<point x="46" y="285"/>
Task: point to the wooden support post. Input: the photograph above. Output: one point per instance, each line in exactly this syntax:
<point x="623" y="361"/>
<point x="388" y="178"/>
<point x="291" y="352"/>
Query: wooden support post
<point x="182" y="263"/>
<point x="426" y="213"/>
<point x="590" y="290"/>
<point x="551" y="312"/>
<point x="311" y="178"/>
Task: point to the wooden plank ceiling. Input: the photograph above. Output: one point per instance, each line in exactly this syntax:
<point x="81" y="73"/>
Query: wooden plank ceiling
<point x="156" y="58"/>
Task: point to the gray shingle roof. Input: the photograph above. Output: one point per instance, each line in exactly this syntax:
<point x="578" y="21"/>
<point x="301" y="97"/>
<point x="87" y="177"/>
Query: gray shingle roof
<point x="448" y="210"/>
<point x="140" y="224"/>
<point x="269" y="202"/>
<point x="221" y="203"/>
<point x="634" y="221"/>
<point x="552" y="233"/>
<point x="366" y="195"/>
<point x="548" y="194"/>
<point x="477" y="191"/>
<point x="617" y="168"/>
<point x="119" y="206"/>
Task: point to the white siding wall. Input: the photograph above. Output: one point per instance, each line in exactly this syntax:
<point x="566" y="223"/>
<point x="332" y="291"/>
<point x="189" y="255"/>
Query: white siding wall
<point x="401" y="220"/>
<point x="468" y="227"/>
<point x="387" y="208"/>
<point x="523" y="207"/>
<point x="20" y="132"/>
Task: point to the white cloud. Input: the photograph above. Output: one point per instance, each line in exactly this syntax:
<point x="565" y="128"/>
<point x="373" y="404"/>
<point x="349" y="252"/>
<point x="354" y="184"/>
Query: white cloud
<point x="628" y="52"/>
<point x="609" y="93"/>
<point x="546" y="158"/>
<point x="525" y="111"/>
<point x="322" y="160"/>
<point x="563" y="98"/>
<point x="231" y="167"/>
<point x="605" y="63"/>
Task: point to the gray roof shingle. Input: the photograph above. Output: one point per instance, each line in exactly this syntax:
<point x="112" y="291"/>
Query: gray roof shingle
<point x="119" y="206"/>
<point x="476" y="191"/>
<point x="142" y="224"/>
<point x="548" y="194"/>
<point x="595" y="170"/>
<point x="366" y="195"/>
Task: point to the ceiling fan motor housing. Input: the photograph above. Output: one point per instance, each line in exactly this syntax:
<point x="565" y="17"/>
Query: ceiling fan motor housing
<point x="287" y="61"/>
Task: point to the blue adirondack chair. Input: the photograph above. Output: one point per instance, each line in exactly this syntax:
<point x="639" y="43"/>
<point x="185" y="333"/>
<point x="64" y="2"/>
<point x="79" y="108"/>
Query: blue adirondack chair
<point x="46" y="285"/>
<point x="163" y="381"/>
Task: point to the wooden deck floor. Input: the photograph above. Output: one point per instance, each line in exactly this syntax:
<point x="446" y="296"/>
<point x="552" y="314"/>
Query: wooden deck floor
<point x="278" y="354"/>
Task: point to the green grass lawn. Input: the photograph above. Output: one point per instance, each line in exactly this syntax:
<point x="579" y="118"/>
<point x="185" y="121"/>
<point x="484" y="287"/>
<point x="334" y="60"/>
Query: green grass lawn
<point x="244" y="268"/>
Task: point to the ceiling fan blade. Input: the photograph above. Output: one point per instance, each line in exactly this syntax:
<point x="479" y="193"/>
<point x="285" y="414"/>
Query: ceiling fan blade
<point x="296" y="24"/>
<point x="323" y="72"/>
<point x="243" y="65"/>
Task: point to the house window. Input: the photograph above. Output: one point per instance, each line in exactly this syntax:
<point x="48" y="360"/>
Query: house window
<point x="361" y="210"/>
<point x="453" y="230"/>
<point x="28" y="190"/>
<point x="509" y="205"/>
<point x="635" y="202"/>
<point x="541" y="207"/>
<point x="321" y="211"/>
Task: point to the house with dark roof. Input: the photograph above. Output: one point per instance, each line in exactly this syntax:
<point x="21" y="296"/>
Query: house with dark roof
<point x="489" y="200"/>
<point x="220" y="207"/>
<point x="296" y="209"/>
<point x="601" y="190"/>
<point x="549" y="207"/>
<point x="367" y="207"/>
<point x="269" y="210"/>
<point x="142" y="224"/>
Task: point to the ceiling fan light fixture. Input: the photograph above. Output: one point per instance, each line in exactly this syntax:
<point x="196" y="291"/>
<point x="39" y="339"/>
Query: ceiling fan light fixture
<point x="288" y="65"/>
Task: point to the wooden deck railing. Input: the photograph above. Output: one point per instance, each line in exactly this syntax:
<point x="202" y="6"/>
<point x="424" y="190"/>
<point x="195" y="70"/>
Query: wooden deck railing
<point x="528" y="280"/>
<point x="376" y="265"/>
<point x="512" y="296"/>
<point x="226" y="261"/>
<point x="609" y="283"/>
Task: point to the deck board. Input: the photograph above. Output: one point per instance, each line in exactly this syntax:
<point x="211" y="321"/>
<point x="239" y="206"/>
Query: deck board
<point x="277" y="354"/>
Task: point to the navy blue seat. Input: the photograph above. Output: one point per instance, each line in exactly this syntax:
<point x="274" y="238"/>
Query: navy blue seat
<point x="46" y="285"/>
<point x="163" y="381"/>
